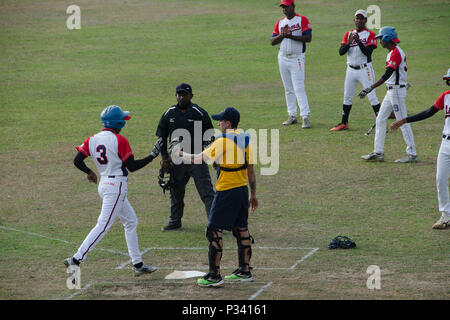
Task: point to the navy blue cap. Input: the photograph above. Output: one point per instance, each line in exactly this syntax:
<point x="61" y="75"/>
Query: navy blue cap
<point x="184" y="87"/>
<point x="230" y="114"/>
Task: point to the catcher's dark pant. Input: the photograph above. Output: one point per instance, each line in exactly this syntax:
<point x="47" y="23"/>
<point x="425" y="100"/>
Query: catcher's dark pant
<point x="230" y="209"/>
<point x="202" y="180"/>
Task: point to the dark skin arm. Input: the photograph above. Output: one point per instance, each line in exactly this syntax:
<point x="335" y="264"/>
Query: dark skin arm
<point x="78" y="161"/>
<point x="285" y="33"/>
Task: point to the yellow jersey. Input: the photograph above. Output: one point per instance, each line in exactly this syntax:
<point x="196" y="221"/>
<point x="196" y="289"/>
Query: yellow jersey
<point x="232" y="152"/>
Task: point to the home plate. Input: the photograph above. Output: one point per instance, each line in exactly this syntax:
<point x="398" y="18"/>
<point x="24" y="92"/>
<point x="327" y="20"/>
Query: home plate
<point x="184" y="275"/>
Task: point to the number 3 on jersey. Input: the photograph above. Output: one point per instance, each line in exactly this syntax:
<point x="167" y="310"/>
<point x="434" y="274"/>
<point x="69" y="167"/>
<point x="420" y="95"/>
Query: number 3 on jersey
<point x="102" y="150"/>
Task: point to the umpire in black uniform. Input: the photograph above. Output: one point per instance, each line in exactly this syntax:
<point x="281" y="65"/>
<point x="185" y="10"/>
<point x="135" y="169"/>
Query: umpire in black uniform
<point x="185" y="115"/>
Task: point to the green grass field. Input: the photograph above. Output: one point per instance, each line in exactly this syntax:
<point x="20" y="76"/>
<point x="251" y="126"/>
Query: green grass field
<point x="55" y="82"/>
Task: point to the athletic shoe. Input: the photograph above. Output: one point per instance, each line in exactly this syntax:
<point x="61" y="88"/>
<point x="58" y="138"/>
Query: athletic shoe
<point x="239" y="275"/>
<point x="443" y="222"/>
<point x="69" y="262"/>
<point x="144" y="269"/>
<point x="172" y="227"/>
<point x="373" y="157"/>
<point x="341" y="126"/>
<point x="408" y="158"/>
<point x="305" y="123"/>
<point x="290" y="120"/>
<point x="210" y="280"/>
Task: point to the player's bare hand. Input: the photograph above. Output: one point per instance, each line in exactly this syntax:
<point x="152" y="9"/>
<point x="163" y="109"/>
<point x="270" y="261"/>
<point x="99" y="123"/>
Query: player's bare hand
<point x="92" y="177"/>
<point x="397" y="124"/>
<point x="285" y="31"/>
<point x="350" y="38"/>
<point x="356" y="37"/>
<point x="253" y="202"/>
<point x="165" y="165"/>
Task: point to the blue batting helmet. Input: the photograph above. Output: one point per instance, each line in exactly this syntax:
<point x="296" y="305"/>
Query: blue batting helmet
<point x="114" y="117"/>
<point x="387" y="34"/>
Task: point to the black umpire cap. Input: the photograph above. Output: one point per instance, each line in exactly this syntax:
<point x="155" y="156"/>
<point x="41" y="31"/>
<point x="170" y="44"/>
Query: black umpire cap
<point x="184" y="87"/>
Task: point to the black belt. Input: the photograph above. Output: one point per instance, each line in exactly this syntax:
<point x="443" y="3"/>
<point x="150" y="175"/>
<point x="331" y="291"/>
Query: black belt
<point x="391" y="87"/>
<point x="358" y="67"/>
<point x="446" y="137"/>
<point x="115" y="176"/>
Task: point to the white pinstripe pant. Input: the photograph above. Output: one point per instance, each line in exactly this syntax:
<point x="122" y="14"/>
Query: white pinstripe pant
<point x="442" y="174"/>
<point x="393" y="101"/>
<point x="113" y="191"/>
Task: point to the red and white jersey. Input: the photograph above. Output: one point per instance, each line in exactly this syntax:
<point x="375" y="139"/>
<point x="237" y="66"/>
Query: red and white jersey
<point x="396" y="59"/>
<point x="109" y="151"/>
<point x="355" y="57"/>
<point x="297" y="25"/>
<point x="443" y="103"/>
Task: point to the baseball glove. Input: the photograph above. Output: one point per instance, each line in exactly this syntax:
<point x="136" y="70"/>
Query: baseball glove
<point x="342" y="242"/>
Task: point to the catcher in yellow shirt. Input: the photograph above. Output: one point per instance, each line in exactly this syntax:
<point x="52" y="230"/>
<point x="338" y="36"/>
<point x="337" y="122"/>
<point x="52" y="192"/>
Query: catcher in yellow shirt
<point x="233" y="154"/>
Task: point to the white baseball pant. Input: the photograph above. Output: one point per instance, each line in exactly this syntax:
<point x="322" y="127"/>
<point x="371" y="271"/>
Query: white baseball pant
<point x="393" y="100"/>
<point x="442" y="174"/>
<point x="292" y="70"/>
<point x="366" y="77"/>
<point x="113" y="191"/>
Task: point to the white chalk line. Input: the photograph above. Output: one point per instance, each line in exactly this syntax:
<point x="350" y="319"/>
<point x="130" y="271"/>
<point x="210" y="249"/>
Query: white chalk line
<point x="304" y="258"/>
<point x="60" y="240"/>
<point x="257" y="293"/>
<point x="80" y="291"/>
<point x="121" y="266"/>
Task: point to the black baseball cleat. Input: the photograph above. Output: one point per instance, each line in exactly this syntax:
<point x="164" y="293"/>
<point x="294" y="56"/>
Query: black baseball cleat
<point x="172" y="227"/>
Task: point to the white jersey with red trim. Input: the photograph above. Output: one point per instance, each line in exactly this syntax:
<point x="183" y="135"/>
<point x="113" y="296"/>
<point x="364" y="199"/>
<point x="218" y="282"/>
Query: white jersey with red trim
<point x="443" y="103"/>
<point x="297" y="25"/>
<point x="355" y="56"/>
<point x="396" y="59"/>
<point x="109" y="152"/>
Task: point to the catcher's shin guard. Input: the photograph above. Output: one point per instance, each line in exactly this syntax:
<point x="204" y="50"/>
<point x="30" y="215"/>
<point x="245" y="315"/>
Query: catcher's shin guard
<point x="215" y="249"/>
<point x="244" y="251"/>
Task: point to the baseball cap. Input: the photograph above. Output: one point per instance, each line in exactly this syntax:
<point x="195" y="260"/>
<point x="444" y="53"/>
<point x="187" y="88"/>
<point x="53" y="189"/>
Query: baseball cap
<point x="184" y="87"/>
<point x="286" y="3"/>
<point x="230" y="114"/>
<point x="361" y="12"/>
<point x="447" y="76"/>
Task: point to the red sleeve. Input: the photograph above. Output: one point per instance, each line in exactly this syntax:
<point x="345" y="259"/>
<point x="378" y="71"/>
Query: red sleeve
<point x="84" y="148"/>
<point x="124" y="148"/>
<point x="276" y="31"/>
<point x="305" y="24"/>
<point x="439" y="104"/>
<point x="394" y="60"/>
<point x="344" y="40"/>
<point x="371" y="41"/>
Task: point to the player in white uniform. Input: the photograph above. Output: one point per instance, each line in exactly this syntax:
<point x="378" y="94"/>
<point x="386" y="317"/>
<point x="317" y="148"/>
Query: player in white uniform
<point x="292" y="33"/>
<point x="395" y="78"/>
<point x="111" y="153"/>
<point x="359" y="44"/>
<point x="443" y="160"/>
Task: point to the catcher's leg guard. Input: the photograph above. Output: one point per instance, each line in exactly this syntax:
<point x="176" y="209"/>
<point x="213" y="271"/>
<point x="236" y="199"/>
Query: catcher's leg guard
<point x="214" y="237"/>
<point x="244" y="241"/>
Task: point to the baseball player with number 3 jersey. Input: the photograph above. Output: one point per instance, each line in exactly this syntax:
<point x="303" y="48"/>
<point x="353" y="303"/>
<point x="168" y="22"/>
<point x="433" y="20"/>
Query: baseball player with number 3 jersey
<point x="112" y="155"/>
<point x="443" y="160"/>
<point x="396" y="85"/>
<point x="292" y="33"/>
<point x="359" y="44"/>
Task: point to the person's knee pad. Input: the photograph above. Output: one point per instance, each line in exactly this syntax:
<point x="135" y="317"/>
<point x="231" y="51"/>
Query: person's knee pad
<point x="213" y="236"/>
<point x="241" y="247"/>
<point x="214" y="251"/>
